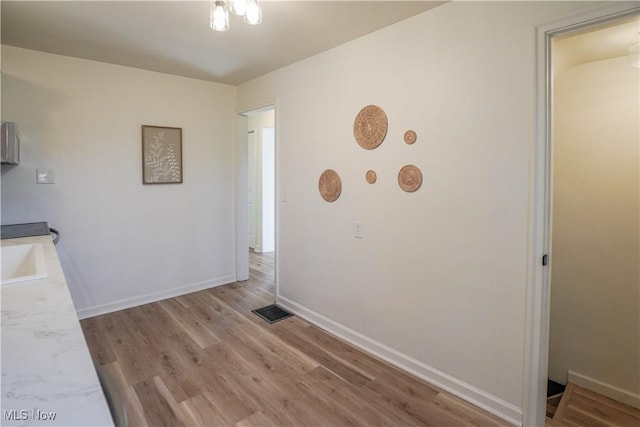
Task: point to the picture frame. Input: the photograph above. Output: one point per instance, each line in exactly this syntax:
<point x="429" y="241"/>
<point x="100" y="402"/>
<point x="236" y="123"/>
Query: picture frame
<point x="161" y="155"/>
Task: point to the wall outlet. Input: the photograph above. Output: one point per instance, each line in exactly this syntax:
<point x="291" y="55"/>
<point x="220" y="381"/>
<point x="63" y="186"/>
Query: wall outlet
<point x="358" y="230"/>
<point x="45" y="176"/>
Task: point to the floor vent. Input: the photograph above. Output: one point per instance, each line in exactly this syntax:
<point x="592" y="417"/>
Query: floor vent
<point x="272" y="313"/>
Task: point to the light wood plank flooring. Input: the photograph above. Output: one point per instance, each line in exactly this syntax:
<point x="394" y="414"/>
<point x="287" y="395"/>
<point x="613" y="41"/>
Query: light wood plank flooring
<point x="261" y="263"/>
<point x="204" y="359"/>
<point x="581" y="407"/>
<point x="552" y="405"/>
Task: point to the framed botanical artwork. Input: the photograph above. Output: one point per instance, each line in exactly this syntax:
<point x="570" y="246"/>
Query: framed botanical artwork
<point x="161" y="155"/>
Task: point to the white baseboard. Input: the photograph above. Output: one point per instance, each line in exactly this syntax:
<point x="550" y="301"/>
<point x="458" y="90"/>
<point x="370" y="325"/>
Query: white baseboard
<point x="97" y="310"/>
<point x="474" y="395"/>
<point x="605" y="389"/>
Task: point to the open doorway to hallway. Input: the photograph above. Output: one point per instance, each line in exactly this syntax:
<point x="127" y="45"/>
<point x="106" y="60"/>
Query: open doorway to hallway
<point x="594" y="350"/>
<point x="261" y="195"/>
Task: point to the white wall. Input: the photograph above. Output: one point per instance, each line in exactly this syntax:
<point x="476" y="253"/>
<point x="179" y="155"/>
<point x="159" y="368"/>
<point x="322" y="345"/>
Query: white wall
<point x="122" y="242"/>
<point x="595" y="282"/>
<point x="438" y="282"/>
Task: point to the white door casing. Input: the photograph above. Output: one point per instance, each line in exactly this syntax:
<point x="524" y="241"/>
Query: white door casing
<point x="538" y="292"/>
<point x="267" y="217"/>
<point x="252" y="181"/>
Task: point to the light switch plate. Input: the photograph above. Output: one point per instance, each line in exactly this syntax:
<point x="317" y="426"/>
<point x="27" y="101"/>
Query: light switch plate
<point x="45" y="176"/>
<point x="358" y="231"/>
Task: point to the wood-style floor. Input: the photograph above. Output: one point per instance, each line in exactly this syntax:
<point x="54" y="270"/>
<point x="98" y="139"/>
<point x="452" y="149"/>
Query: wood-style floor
<point x="581" y="407"/>
<point x="261" y="263"/>
<point x="204" y="359"/>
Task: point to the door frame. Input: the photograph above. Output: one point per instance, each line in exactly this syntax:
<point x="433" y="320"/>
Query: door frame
<point x="252" y="168"/>
<point x="540" y="196"/>
<point x="261" y="196"/>
<point x="242" y="191"/>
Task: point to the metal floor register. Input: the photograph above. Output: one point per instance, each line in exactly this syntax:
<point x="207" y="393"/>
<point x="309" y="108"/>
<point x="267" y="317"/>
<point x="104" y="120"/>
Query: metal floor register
<point x="272" y="313"/>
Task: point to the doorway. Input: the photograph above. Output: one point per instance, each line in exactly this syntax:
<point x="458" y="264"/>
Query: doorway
<point x="258" y="165"/>
<point x="595" y="269"/>
<point x="542" y="242"/>
<point x="261" y="152"/>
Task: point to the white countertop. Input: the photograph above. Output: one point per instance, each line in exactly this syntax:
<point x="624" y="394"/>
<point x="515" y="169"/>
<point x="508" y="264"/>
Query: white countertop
<point x="46" y="365"/>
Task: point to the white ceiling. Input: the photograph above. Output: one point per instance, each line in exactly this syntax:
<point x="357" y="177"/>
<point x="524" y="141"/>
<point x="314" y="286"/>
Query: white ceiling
<point x="174" y="36"/>
<point x="596" y="44"/>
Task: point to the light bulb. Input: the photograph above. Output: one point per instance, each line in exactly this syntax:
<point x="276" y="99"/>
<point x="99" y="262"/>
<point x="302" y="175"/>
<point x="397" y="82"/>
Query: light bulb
<point x="254" y="13"/>
<point x="219" y="16"/>
<point x="239" y="7"/>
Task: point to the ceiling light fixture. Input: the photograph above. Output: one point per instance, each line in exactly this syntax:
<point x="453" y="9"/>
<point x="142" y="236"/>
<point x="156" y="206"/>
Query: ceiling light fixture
<point x="219" y="17"/>
<point x="253" y="14"/>
<point x="239" y="7"/>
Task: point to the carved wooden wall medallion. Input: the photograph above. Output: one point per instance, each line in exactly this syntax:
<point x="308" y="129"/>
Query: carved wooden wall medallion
<point x="371" y="176"/>
<point x="370" y="127"/>
<point x="330" y="185"/>
<point x="410" y="178"/>
<point x="410" y="137"/>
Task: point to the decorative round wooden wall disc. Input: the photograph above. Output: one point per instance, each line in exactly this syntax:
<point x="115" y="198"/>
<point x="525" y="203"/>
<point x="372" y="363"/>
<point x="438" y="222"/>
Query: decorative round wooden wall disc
<point x="330" y="185"/>
<point x="371" y="176"/>
<point x="410" y="137"/>
<point x="370" y="127"/>
<point x="410" y="178"/>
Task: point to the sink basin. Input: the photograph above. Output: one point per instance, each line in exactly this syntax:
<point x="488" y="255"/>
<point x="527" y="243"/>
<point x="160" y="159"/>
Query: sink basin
<point x="22" y="262"/>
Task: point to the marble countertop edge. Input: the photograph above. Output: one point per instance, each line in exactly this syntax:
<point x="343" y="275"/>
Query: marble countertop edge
<point x="48" y="377"/>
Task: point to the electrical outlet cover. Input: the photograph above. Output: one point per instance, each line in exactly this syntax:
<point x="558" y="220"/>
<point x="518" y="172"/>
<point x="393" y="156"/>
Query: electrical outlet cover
<point x="45" y="176"/>
<point x="358" y="231"/>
